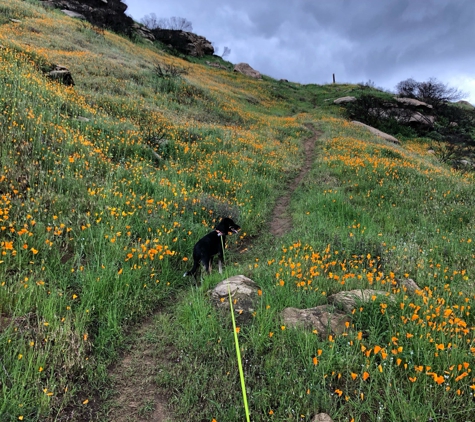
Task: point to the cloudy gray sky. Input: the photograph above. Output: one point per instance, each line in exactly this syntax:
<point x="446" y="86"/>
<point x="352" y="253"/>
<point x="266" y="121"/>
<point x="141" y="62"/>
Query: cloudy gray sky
<point x="306" y="41"/>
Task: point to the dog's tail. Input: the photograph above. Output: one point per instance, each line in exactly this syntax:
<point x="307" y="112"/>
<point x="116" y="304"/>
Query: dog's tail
<point x="193" y="270"/>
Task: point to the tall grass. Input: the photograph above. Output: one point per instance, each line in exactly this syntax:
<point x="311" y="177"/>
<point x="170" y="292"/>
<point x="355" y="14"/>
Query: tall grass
<point x="105" y="187"/>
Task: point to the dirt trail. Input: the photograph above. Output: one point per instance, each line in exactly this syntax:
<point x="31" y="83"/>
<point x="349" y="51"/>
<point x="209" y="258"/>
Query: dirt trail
<point x="281" y="221"/>
<point x="133" y="376"/>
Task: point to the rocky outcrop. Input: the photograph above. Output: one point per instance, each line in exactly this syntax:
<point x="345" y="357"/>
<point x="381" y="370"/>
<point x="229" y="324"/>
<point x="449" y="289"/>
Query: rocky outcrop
<point x="247" y="70"/>
<point x="108" y="14"/>
<point x="377" y="132"/>
<point x="185" y="42"/>
<point x="412" y="102"/>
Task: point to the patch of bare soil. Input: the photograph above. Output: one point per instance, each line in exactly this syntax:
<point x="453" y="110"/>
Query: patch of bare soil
<point x="281" y="221"/>
<point x="133" y="378"/>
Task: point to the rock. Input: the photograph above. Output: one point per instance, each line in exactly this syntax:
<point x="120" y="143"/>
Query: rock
<point x="62" y="75"/>
<point x="409" y="285"/>
<point x="143" y="32"/>
<point x="185" y="42"/>
<point x="247" y="70"/>
<point x="322" y="417"/>
<point x="350" y="299"/>
<point x="465" y="104"/>
<point x="377" y="132"/>
<point x="217" y="65"/>
<point x="421" y="118"/>
<point x="73" y="14"/>
<point x="15" y="20"/>
<point x="412" y="102"/>
<point x="325" y="319"/>
<point x="244" y="293"/>
<point x="343" y="100"/>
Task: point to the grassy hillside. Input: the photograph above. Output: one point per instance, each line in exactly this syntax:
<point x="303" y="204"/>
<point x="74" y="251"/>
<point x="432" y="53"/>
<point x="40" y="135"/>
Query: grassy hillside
<point x="106" y="186"/>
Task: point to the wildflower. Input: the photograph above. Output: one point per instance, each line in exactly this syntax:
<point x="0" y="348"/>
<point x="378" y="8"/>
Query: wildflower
<point x="365" y="376"/>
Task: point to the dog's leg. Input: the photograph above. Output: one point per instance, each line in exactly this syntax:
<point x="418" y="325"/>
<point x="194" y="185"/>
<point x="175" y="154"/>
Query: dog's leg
<point x="220" y="265"/>
<point x="206" y="262"/>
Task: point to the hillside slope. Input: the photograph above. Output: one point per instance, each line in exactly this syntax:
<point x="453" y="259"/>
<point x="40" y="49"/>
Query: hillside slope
<point x="106" y="185"/>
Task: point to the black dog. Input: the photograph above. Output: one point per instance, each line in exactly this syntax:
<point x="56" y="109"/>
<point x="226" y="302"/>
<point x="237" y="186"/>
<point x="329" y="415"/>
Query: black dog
<point x="211" y="245"/>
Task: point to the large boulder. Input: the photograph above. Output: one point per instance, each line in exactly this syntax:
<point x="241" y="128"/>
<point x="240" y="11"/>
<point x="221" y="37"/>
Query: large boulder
<point x="377" y="132"/>
<point x="109" y="14"/>
<point x="247" y="70"/>
<point x="185" y="42"/>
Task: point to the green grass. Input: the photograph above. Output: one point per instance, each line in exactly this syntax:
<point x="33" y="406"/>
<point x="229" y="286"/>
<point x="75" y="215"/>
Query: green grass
<point x="97" y="218"/>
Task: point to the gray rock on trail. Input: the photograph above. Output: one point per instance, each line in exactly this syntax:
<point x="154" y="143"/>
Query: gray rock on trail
<point x="244" y="294"/>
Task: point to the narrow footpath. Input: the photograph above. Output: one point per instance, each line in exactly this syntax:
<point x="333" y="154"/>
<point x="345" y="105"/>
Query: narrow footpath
<point x="137" y="398"/>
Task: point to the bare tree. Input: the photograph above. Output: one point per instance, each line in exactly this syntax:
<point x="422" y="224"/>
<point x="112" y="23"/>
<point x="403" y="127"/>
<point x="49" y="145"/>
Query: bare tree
<point x="176" y="23"/>
<point x="407" y="88"/>
<point x="226" y="52"/>
<point x="432" y="91"/>
<point x="152" y="22"/>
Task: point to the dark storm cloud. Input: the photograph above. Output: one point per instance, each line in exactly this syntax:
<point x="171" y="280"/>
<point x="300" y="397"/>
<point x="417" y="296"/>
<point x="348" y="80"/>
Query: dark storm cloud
<point x="307" y="41"/>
